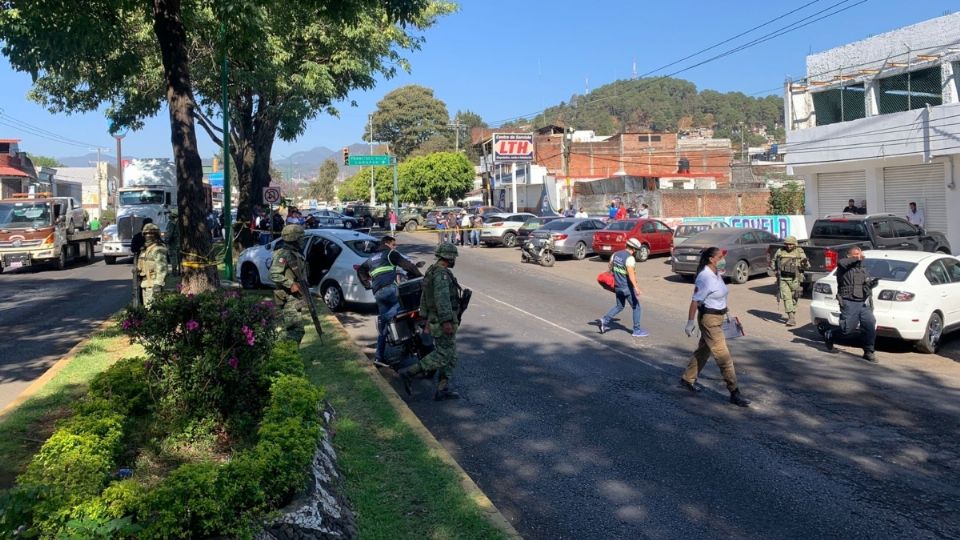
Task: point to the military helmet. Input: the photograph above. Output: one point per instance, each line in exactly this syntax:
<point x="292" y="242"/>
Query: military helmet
<point x="446" y="250"/>
<point x="791" y="240"/>
<point x="292" y="233"/>
<point x="150" y="228"/>
<point x="633" y="243"/>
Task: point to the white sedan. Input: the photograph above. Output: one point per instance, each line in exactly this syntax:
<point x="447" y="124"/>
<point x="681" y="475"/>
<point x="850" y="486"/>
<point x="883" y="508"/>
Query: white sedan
<point x="333" y="256"/>
<point x="916" y="299"/>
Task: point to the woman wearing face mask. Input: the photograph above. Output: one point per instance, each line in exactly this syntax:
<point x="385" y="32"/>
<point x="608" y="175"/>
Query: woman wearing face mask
<point x="708" y="309"/>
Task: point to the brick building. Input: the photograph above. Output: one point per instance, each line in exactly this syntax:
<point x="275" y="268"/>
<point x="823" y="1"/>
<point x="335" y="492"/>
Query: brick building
<point x="17" y="172"/>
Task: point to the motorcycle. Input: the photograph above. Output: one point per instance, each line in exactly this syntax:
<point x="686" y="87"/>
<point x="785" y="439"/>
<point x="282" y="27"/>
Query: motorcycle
<point x="408" y="339"/>
<point x="538" y="251"/>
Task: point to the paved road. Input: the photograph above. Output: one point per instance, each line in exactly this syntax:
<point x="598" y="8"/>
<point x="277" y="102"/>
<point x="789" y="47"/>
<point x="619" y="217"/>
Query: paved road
<point x="578" y="435"/>
<point x="44" y="312"/>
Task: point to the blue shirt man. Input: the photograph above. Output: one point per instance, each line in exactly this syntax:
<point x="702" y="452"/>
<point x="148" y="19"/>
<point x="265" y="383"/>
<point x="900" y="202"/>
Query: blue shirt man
<point x="626" y="289"/>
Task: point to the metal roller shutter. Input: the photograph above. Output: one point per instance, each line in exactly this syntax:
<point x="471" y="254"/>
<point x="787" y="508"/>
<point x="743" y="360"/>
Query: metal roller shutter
<point x="922" y="184"/>
<point x="835" y="189"/>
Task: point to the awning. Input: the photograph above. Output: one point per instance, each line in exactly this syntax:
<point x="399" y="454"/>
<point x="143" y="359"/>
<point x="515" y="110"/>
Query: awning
<point x="10" y="171"/>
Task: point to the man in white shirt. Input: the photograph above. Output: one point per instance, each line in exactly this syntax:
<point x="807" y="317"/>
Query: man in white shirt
<point x="581" y="214"/>
<point x="644" y="211"/>
<point x="914" y="216"/>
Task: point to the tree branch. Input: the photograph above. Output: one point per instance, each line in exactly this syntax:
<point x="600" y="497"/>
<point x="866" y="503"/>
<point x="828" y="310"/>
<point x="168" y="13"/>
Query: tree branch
<point x="208" y="127"/>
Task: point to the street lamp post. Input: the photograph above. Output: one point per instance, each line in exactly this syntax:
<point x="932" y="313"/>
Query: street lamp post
<point x="225" y="107"/>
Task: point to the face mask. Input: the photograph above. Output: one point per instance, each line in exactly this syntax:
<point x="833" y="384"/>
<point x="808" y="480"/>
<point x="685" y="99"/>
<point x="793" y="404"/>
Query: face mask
<point x="451" y="263"/>
<point x="721" y="266"/>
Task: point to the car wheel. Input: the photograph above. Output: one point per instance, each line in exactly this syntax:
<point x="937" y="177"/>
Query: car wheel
<point x="61" y="262"/>
<point x="410" y="226"/>
<point x="580" y="251"/>
<point x="643" y="253"/>
<point x="333" y="297"/>
<point x="931" y="338"/>
<point x="510" y="240"/>
<point x="249" y="277"/>
<point x="107" y="259"/>
<point x="348" y="224"/>
<point x="741" y="272"/>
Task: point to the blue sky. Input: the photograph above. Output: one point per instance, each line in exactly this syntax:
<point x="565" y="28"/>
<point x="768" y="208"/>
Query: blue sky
<point x="502" y="59"/>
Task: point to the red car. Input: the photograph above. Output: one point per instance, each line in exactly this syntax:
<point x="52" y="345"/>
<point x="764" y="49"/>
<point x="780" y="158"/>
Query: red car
<point x="656" y="238"/>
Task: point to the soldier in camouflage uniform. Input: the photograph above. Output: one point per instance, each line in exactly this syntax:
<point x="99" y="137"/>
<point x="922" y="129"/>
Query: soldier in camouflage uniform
<point x="287" y="262"/>
<point x="152" y="264"/>
<point x="440" y="305"/>
<point x="789" y="263"/>
<point x="173" y="242"/>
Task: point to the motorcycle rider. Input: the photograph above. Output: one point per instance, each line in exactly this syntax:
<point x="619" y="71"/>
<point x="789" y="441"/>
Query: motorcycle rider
<point x="380" y="271"/>
<point x="287" y="262"/>
<point x="789" y="263"/>
<point x="440" y="305"/>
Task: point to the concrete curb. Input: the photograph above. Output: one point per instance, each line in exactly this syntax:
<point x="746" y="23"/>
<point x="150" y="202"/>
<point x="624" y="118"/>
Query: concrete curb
<point x="473" y="491"/>
<point x="53" y="370"/>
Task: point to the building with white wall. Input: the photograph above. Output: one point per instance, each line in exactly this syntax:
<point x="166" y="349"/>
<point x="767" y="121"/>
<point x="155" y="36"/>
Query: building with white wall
<point x="879" y="120"/>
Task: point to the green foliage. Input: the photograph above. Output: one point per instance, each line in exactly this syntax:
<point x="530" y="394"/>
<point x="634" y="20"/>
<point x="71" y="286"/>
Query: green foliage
<point x="205" y="350"/>
<point x="323" y="188"/>
<point x="407" y="117"/>
<point x="438" y="175"/>
<point x="44" y="161"/>
<point x="664" y="105"/>
<point x="124" y="385"/>
<point x="787" y="200"/>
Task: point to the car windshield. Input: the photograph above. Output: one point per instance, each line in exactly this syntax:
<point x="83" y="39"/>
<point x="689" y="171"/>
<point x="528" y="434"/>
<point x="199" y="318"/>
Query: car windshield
<point x="143" y="196"/>
<point x="25" y="215"/>
<point x="558" y="225"/>
<point x="492" y="219"/>
<point x="686" y="231"/>
<point x="363" y="248"/>
<point x="621" y="226"/>
<point x="888" y="269"/>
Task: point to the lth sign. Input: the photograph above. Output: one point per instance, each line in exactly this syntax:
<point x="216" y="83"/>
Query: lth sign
<point x="513" y="147"/>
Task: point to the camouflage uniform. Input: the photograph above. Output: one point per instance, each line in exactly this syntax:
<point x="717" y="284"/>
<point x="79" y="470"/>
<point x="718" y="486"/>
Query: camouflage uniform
<point x="287" y="259"/>
<point x="152" y="264"/>
<point x="173" y="242"/>
<point x="439" y="304"/>
<point x="789" y="266"/>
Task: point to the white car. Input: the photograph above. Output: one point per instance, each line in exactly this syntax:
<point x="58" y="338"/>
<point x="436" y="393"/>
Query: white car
<point x="501" y="229"/>
<point x="332" y="256"/>
<point x="916" y="299"/>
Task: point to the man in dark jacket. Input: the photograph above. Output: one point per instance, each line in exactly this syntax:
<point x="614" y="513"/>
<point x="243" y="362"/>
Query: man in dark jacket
<point x="854" y="291"/>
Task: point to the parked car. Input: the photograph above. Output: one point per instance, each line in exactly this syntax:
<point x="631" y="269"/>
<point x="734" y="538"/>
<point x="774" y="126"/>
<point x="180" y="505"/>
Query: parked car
<point x="533" y="224"/>
<point x="331" y="254"/>
<point x="916" y="299"/>
<point x="688" y="229"/>
<point x="745" y="251"/>
<point x="501" y="229"/>
<point x="571" y="236"/>
<point x="833" y="235"/>
<point x="329" y="219"/>
<point x="655" y="237"/>
<point x="484" y="210"/>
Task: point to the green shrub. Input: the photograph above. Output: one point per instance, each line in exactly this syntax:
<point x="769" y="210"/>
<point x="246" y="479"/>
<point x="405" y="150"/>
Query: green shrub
<point x="206" y="351"/>
<point x="124" y="384"/>
<point x="184" y="505"/>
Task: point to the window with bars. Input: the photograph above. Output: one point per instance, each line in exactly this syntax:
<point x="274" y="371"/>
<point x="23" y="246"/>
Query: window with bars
<point x="839" y="104"/>
<point x="911" y="90"/>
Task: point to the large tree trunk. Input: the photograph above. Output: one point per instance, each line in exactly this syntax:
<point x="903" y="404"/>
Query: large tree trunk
<point x="253" y="136"/>
<point x="199" y="274"/>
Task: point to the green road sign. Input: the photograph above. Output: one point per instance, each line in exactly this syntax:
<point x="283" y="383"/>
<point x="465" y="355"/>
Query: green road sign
<point x="366" y="161"/>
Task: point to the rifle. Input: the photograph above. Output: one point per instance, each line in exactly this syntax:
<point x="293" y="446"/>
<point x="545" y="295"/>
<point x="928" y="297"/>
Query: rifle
<point x="465" y="296"/>
<point x="307" y="295"/>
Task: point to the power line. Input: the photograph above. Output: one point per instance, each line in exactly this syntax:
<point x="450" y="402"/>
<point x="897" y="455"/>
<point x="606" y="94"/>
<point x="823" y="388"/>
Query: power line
<point x="779" y="32"/>
<point x="31" y="129"/>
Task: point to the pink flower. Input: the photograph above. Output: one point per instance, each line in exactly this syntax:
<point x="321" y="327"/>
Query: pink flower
<point x="231" y="294"/>
<point x="192" y="325"/>
<point x="249" y="334"/>
<point x="263" y="322"/>
<point x="233" y="362"/>
<point x="268" y="304"/>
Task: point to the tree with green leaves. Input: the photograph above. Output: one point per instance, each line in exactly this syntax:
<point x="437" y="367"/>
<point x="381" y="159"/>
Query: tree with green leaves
<point x="45" y="161"/>
<point x="406" y="118"/>
<point x="324" y="187"/>
<point x="436" y="176"/>
<point x="467" y="120"/>
<point x="289" y="60"/>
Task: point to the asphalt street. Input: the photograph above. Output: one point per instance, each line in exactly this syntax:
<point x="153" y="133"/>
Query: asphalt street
<point x="574" y="434"/>
<point x="45" y="312"/>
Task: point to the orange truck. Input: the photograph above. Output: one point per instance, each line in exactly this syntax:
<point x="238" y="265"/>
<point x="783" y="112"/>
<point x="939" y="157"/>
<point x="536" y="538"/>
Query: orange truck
<point x="35" y="229"/>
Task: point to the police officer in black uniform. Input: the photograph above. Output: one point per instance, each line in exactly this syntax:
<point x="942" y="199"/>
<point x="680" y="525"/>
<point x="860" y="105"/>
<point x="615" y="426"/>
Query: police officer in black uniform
<point x="380" y="271"/>
<point x="855" y="288"/>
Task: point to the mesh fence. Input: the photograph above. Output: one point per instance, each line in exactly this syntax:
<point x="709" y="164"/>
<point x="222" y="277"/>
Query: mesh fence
<point x="912" y="90"/>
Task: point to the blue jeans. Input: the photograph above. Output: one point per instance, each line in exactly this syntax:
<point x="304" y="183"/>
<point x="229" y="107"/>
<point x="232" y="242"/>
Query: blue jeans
<point x="623" y="296"/>
<point x="475" y="237"/>
<point x="853" y="314"/>
<point x="388" y="304"/>
<point x="442" y="237"/>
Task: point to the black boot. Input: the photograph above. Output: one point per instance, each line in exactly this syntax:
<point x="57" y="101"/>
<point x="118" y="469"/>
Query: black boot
<point x="737" y="399"/>
<point x="828" y="339"/>
<point x="691" y="386"/>
<point x="869" y="356"/>
<point x="406" y="376"/>
<point x="443" y="391"/>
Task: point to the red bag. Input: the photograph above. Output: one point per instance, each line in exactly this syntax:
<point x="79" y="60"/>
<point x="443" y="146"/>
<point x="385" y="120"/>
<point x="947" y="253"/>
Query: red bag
<point x="605" y="279"/>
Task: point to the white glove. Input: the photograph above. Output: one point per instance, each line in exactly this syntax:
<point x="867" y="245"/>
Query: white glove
<point x="690" y="328"/>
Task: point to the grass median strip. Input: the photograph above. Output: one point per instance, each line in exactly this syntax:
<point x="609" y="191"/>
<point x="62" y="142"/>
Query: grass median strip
<point x="396" y="485"/>
<point x="25" y="427"/>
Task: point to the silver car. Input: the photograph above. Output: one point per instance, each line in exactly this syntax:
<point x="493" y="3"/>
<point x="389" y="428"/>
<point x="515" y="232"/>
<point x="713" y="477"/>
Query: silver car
<point x="571" y="236"/>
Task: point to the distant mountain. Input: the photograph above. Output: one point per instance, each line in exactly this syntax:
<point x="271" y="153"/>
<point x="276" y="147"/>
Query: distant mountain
<point x="86" y="160"/>
<point x="309" y="161"/>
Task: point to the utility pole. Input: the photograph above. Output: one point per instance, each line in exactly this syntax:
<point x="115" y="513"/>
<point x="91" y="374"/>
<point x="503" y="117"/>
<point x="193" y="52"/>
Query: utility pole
<point x="225" y="107"/>
<point x="373" y="193"/>
<point x="456" y="127"/>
